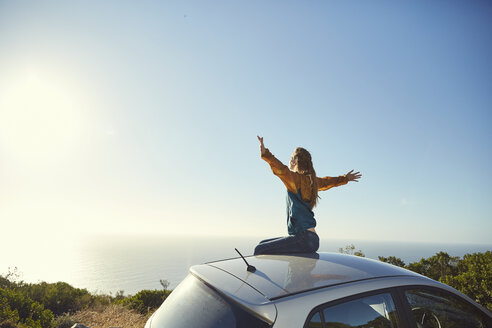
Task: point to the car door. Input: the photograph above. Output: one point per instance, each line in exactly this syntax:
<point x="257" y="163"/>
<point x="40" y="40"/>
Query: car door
<point x="432" y="307"/>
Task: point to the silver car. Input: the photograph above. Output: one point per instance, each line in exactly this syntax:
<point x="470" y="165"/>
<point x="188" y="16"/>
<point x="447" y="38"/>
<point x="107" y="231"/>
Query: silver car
<point x="320" y="290"/>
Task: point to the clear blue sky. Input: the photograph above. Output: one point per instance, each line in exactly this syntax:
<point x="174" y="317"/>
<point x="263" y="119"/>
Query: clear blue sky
<point x="141" y="117"/>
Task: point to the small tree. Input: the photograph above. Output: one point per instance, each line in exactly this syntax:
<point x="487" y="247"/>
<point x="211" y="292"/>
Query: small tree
<point x="350" y="249"/>
<point x="164" y="283"/>
<point x="392" y="260"/>
<point x="436" y="267"/>
<point x="474" y="277"/>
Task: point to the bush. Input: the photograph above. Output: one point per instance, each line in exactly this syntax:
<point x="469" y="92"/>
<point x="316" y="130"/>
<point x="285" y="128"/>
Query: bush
<point x="145" y="300"/>
<point x="474" y="278"/>
<point x="436" y="267"/>
<point x="16" y="307"/>
<point x="350" y="249"/>
<point x="59" y="297"/>
<point x="392" y="260"/>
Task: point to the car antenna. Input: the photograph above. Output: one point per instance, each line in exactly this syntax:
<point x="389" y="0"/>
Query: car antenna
<point x="250" y="268"/>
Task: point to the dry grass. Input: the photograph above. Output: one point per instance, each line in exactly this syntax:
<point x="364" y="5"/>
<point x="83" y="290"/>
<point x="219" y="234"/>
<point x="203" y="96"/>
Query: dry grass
<point x="111" y="316"/>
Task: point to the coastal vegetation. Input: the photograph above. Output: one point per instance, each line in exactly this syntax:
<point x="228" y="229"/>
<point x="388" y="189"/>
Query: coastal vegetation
<point x="60" y="305"/>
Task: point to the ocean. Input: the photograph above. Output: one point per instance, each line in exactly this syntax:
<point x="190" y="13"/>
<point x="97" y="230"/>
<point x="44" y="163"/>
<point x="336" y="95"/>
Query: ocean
<point x="109" y="264"/>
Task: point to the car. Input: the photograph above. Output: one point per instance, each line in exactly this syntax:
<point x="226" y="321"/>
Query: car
<point x="316" y="290"/>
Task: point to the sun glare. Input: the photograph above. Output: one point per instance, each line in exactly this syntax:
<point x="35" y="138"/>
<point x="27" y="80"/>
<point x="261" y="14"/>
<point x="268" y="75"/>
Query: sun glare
<point x="39" y="118"/>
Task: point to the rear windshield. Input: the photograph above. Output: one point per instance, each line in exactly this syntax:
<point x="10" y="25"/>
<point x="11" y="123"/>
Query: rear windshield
<point x="194" y="304"/>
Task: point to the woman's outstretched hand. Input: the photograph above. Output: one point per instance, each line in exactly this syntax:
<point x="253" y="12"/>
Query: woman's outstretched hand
<point x="262" y="146"/>
<point x="353" y="176"/>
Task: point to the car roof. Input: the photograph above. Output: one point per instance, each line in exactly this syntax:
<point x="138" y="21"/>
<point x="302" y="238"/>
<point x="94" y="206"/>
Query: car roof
<point x="278" y="276"/>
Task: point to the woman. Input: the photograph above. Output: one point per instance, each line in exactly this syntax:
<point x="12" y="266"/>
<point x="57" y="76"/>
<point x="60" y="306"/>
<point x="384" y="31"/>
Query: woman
<point x="302" y="196"/>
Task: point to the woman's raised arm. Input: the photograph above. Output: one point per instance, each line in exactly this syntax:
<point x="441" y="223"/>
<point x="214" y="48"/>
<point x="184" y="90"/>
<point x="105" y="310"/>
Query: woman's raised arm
<point x="278" y="168"/>
<point x="262" y="146"/>
<point x="330" y="182"/>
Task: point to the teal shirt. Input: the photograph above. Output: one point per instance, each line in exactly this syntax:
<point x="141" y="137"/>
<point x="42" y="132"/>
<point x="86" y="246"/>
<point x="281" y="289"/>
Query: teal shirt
<point x="299" y="214"/>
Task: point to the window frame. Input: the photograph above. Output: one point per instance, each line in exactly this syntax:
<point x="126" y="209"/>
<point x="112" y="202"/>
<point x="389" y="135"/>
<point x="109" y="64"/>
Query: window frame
<point x="400" y="309"/>
<point x="408" y="310"/>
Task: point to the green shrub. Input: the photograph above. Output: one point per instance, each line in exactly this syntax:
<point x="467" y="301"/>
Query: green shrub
<point x="436" y="267"/>
<point x="392" y="260"/>
<point x="59" y="297"/>
<point x="145" y="300"/>
<point x="16" y="307"/>
<point x="6" y="312"/>
<point x="474" y="278"/>
<point x="350" y="249"/>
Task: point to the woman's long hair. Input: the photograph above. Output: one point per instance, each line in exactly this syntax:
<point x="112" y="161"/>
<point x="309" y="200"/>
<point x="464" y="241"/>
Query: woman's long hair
<point x="305" y="166"/>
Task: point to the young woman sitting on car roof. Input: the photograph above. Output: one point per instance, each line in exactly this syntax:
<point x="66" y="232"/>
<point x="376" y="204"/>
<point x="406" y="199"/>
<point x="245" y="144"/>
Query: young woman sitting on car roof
<point x="302" y="195"/>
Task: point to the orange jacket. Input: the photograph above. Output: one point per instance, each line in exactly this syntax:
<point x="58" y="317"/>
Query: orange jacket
<point x="295" y="181"/>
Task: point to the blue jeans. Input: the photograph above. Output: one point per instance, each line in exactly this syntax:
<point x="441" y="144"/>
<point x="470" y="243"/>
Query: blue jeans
<point x="303" y="242"/>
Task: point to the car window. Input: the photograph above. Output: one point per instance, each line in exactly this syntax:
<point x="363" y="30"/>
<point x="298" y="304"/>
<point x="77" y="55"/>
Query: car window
<point x="376" y="311"/>
<point x="434" y="309"/>
<point x="194" y="304"/>
<point x="316" y="321"/>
